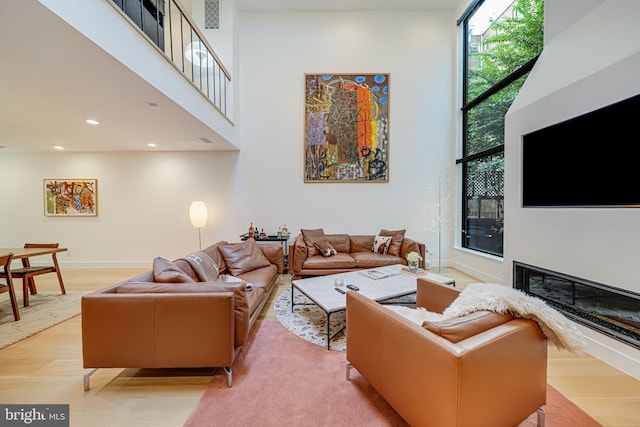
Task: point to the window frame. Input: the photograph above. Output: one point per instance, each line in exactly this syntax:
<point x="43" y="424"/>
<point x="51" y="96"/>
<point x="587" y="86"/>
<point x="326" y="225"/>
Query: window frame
<point x="467" y="105"/>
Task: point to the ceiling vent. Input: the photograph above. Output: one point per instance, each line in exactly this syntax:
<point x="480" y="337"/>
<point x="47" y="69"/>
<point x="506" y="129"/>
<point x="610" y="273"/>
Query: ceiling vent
<point x="205" y="140"/>
<point x="212" y="14"/>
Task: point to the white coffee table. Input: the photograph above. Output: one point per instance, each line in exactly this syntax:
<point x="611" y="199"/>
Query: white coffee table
<point x="321" y="290"/>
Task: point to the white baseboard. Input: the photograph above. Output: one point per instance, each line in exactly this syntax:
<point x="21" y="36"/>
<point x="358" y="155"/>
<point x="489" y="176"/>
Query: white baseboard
<point x="613" y="352"/>
<point x="482" y="275"/>
<point x="80" y="265"/>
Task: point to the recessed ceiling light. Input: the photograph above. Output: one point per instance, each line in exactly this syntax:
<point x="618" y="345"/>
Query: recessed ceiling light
<point x="58" y="147"/>
<point x="92" y="122"/>
<point x="152" y="145"/>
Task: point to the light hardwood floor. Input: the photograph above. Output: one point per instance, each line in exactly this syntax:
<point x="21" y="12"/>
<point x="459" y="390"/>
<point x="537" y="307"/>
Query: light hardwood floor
<point x="47" y="368"/>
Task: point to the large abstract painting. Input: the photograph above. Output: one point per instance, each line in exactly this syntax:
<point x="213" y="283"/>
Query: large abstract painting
<point x="71" y="197"/>
<point x="346" y="135"/>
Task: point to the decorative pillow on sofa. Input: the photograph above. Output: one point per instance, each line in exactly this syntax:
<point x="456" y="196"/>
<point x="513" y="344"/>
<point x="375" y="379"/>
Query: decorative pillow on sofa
<point x="311" y="236"/>
<point x="381" y="245"/>
<point x="325" y="248"/>
<point x="164" y="271"/>
<point x="243" y="257"/>
<point x="397" y="237"/>
<point x="206" y="268"/>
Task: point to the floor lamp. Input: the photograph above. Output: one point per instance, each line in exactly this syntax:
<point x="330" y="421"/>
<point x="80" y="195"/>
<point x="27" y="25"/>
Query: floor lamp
<point x="198" y="216"/>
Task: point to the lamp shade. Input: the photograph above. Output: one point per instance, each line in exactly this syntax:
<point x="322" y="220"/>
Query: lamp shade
<point x="198" y="54"/>
<point x="198" y="214"/>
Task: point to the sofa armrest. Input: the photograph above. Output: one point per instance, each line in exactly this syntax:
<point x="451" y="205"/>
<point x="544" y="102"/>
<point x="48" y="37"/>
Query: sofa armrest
<point x="513" y="361"/>
<point x="372" y="331"/>
<point x="434" y="296"/>
<point x="297" y="254"/>
<point x="275" y="255"/>
<point x="157" y="330"/>
<point x="238" y="288"/>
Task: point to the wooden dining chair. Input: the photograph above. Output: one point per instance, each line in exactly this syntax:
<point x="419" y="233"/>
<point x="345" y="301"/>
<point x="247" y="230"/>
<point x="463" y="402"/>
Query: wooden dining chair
<point x="28" y="272"/>
<point x="5" y="261"/>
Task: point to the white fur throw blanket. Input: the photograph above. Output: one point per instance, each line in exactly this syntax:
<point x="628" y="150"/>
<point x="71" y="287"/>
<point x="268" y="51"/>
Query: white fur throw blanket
<point x="560" y="332"/>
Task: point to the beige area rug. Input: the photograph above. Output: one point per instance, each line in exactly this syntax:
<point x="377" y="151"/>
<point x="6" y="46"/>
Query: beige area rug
<point x="45" y="309"/>
<point x="309" y="322"/>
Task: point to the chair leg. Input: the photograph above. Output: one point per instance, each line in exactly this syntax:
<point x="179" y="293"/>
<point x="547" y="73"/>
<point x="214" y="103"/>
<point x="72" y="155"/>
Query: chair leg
<point x="540" y="419"/>
<point x="229" y="372"/>
<point x="61" y="282"/>
<point x="55" y="264"/>
<point x="14" y="302"/>
<point x="86" y="379"/>
<point x="28" y="288"/>
<point x="32" y="286"/>
<point x="28" y="279"/>
<point x="25" y="291"/>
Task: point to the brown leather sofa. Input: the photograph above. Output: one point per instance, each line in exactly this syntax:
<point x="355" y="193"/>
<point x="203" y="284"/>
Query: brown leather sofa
<point x="169" y="318"/>
<point x="484" y="369"/>
<point x="354" y="252"/>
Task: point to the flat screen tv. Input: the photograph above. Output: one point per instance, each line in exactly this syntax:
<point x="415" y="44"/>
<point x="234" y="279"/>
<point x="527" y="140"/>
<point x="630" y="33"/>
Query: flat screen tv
<point x="592" y="160"/>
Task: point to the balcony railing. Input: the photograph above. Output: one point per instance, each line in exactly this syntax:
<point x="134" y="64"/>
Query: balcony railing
<point x="175" y="34"/>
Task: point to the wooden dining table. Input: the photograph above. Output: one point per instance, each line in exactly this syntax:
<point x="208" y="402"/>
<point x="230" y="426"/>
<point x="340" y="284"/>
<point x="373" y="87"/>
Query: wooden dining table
<point x="25" y="253"/>
<point x="20" y="253"/>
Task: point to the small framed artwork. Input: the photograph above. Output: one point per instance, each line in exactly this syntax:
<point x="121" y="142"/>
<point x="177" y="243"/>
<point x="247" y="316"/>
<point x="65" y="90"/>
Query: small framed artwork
<point x="346" y="128"/>
<point x="71" y="197"/>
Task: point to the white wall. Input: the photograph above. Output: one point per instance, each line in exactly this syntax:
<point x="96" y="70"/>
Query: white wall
<point x="144" y="197"/>
<point x="592" y="63"/>
<point x="143" y="204"/>
<point x="560" y="15"/>
<point x="277" y="49"/>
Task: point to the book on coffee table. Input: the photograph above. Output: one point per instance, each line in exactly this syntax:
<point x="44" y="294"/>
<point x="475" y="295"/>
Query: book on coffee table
<point x="418" y="272"/>
<point x="374" y="274"/>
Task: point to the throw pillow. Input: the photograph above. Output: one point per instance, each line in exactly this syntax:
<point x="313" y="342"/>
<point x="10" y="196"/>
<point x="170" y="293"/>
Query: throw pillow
<point x="243" y="257"/>
<point x="325" y="248"/>
<point x="164" y="271"/>
<point x="397" y="237"/>
<point x="205" y="267"/>
<point x="310" y="236"/>
<point x="460" y="328"/>
<point x="381" y="245"/>
<point x="418" y="315"/>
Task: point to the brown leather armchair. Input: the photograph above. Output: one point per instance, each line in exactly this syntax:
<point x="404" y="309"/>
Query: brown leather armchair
<point x="492" y="376"/>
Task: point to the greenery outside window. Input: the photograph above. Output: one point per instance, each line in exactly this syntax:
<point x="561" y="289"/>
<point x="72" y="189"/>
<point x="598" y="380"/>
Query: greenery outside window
<point x="503" y="39"/>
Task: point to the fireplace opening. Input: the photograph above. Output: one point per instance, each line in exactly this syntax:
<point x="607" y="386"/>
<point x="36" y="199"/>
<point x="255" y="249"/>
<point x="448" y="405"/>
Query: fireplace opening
<point x="609" y="310"/>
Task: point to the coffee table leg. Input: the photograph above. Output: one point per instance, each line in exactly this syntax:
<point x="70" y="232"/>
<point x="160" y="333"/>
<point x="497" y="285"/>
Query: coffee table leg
<point x="328" y="332"/>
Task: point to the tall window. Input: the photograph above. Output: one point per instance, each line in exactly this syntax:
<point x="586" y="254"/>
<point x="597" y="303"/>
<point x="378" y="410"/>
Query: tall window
<point x="503" y="40"/>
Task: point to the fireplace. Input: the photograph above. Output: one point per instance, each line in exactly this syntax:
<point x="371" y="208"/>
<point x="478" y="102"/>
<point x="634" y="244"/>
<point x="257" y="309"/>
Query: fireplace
<point x="612" y="311"/>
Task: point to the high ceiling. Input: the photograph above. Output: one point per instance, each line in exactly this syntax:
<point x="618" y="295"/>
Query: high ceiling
<point x="53" y="78"/>
<point x="328" y="5"/>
